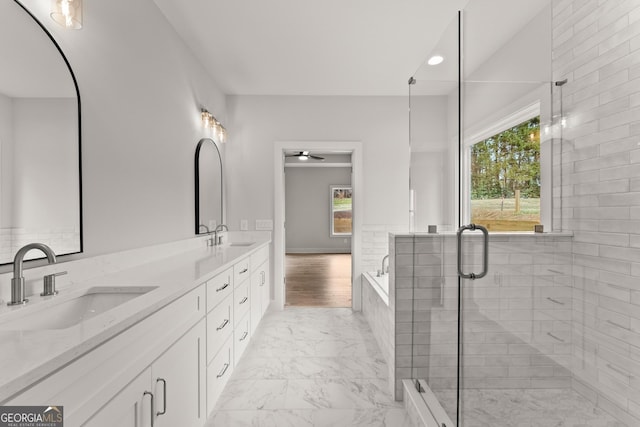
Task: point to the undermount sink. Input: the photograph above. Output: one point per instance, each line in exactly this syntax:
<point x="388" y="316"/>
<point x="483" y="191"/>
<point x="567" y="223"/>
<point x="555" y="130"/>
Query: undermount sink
<point x="72" y="311"/>
<point x="241" y="243"/>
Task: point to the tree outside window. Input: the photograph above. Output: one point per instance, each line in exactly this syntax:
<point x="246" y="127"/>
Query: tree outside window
<point x="505" y="179"/>
<point x="341" y="210"/>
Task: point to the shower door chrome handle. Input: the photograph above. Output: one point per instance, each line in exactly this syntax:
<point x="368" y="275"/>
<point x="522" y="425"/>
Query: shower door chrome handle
<point x="485" y="254"/>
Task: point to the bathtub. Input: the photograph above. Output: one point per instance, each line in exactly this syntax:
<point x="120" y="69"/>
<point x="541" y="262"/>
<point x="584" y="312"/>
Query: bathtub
<point x="380" y="284"/>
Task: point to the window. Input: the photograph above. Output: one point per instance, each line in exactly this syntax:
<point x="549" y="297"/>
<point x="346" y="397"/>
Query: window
<point x="505" y="178"/>
<point x="341" y="210"/>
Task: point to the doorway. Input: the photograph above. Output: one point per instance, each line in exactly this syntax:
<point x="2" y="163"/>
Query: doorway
<point x="319" y="216"/>
<point x="327" y="258"/>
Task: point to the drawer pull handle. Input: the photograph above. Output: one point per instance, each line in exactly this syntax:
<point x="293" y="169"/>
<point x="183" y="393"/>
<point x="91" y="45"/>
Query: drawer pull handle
<point x="262" y="282"/>
<point x="243" y="300"/>
<point x="223" y="287"/>
<point x="244" y="270"/>
<point x="244" y="336"/>
<point x="555" y="301"/>
<point x="225" y="323"/>
<point x="164" y="396"/>
<point x="224" y="369"/>
<point x="150" y="394"/>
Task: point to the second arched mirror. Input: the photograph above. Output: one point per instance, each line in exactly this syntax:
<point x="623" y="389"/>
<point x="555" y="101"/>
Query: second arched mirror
<point x="208" y="183"/>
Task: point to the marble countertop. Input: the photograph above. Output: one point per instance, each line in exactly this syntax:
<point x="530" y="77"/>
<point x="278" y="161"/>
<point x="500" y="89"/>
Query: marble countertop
<point x="28" y="356"/>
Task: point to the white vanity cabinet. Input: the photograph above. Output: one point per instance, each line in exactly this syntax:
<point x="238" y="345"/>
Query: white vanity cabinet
<point x="171" y="391"/>
<point x="109" y="382"/>
<point x="133" y="406"/>
<point x="220" y="329"/>
<point x="168" y="368"/>
<point x="179" y="383"/>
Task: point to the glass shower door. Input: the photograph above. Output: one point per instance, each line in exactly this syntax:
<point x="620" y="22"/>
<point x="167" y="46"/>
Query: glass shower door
<point x="433" y="126"/>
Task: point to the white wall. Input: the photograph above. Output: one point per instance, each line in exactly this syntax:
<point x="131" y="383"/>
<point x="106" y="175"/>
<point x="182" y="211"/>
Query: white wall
<point x="259" y="121"/>
<point x="307" y="209"/>
<point x="141" y="92"/>
<point x="6" y="160"/>
<point x="430" y="175"/>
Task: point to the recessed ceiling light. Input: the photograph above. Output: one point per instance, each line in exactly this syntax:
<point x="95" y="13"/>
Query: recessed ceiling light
<point x="435" y="60"/>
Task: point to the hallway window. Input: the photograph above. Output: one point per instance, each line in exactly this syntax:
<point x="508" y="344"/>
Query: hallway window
<point x="505" y="178"/>
<point x="341" y="210"/>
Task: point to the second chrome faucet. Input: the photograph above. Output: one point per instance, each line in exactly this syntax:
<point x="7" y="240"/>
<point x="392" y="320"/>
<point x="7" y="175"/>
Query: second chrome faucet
<point x="17" y="282"/>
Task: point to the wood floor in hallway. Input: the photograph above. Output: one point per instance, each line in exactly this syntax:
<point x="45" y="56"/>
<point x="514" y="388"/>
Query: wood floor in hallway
<point x="318" y="280"/>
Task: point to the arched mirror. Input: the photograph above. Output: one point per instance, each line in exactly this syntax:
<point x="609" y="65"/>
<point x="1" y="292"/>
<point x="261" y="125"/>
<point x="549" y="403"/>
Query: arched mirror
<point x="40" y="195"/>
<point x="208" y="166"/>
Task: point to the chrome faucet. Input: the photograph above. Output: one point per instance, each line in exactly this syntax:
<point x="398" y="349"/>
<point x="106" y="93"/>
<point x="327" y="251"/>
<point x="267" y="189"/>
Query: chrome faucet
<point x="218" y="240"/>
<point x="382" y="272"/>
<point x="210" y="241"/>
<point x="17" y="282"/>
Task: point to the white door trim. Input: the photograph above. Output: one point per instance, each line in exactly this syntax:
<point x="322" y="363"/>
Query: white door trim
<point x="279" y="203"/>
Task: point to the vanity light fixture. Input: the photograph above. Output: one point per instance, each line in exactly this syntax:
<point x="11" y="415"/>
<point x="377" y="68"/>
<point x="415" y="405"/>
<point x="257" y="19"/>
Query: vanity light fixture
<point x="435" y="60"/>
<point x="67" y="13"/>
<point x="209" y="121"/>
<point x="206" y="117"/>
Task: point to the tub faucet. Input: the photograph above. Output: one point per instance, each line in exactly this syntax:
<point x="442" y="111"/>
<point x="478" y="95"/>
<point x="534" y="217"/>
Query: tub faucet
<point x="218" y="240"/>
<point x="383" y="271"/>
<point x="17" y="282"/>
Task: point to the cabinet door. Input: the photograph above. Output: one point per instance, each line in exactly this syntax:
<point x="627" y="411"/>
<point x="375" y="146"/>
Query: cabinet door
<point x="131" y="407"/>
<point x="179" y="377"/>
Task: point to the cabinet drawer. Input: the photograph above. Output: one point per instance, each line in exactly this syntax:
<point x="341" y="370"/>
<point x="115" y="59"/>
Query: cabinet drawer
<point x="241" y="301"/>
<point x="218" y="374"/>
<point x="241" y="337"/>
<point x="219" y="326"/>
<point x="260" y="256"/>
<point x="241" y="271"/>
<point x="219" y="288"/>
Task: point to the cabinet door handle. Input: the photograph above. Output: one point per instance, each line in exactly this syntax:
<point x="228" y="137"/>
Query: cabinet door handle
<point x="164" y="396"/>
<point x="224" y="369"/>
<point x="225" y="323"/>
<point x="263" y="278"/>
<point x="244" y="336"/>
<point x="151" y="407"/>
<point x="223" y="287"/>
<point x="244" y="270"/>
<point x="243" y="300"/>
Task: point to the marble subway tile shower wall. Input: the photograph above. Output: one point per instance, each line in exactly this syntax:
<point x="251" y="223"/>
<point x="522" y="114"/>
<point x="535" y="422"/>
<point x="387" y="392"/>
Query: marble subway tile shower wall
<point x="596" y="47"/>
<point x="517" y="319"/>
<point x="310" y="367"/>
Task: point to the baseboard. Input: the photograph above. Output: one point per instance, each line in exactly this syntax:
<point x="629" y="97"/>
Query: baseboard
<point x="318" y="251"/>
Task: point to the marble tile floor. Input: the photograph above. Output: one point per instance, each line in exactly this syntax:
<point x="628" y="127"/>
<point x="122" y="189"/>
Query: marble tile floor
<point x="527" y="408"/>
<point x="310" y="367"/>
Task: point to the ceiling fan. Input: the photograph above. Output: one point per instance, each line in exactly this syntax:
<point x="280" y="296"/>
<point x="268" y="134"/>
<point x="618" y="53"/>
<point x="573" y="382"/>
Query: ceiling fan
<point x="305" y="155"/>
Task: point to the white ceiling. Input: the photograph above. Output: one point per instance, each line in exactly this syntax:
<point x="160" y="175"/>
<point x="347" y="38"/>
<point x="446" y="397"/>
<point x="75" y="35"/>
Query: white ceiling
<point x="298" y="47"/>
<point x="334" y="47"/>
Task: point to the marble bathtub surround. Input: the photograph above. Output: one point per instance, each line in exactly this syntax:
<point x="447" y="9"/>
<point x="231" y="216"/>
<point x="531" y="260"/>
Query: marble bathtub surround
<point x="310" y="367"/>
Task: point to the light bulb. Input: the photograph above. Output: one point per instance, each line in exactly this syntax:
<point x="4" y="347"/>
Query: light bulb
<point x="206" y="118"/>
<point x="435" y="60"/>
<point x="67" y="13"/>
